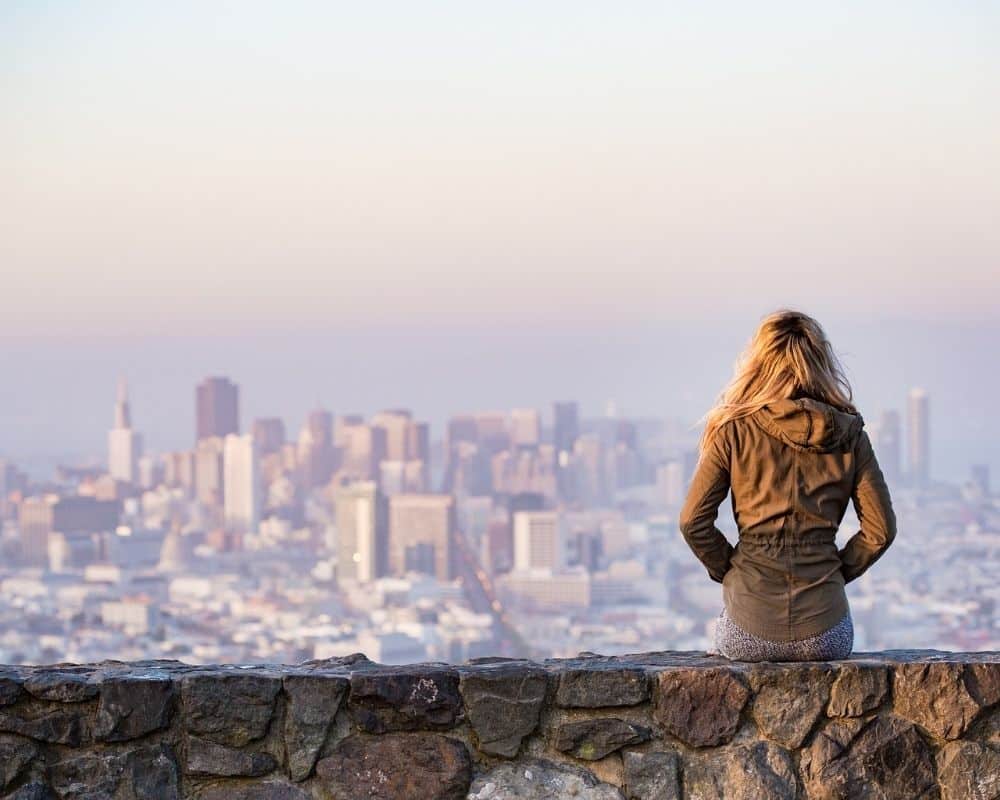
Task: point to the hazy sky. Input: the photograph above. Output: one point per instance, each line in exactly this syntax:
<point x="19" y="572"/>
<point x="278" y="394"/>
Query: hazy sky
<point x="176" y="164"/>
<point x="469" y="204"/>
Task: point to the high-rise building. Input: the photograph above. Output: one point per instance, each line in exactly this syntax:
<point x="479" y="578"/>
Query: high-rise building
<point x="268" y="434"/>
<point x="179" y="469"/>
<point x="918" y="438"/>
<point x="362" y="528"/>
<point x="124" y="444"/>
<point x="241" y="501"/>
<point x="525" y="427"/>
<point x="35" y="525"/>
<point x="343" y="424"/>
<point x="419" y="442"/>
<point x="209" y="487"/>
<point x="217" y="408"/>
<point x="396" y="423"/>
<point x="888" y="444"/>
<point x="362" y="450"/>
<point x="538" y="540"/>
<point x="421" y="534"/>
<point x="317" y="456"/>
<point x="566" y="426"/>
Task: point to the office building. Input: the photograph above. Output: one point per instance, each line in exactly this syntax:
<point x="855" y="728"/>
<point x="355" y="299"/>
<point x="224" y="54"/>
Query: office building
<point x="918" y="438"/>
<point x="268" y="435"/>
<point x="421" y="535"/>
<point x="525" y="427"/>
<point x="216" y="408"/>
<point x="538" y="540"/>
<point x="124" y="444"/>
<point x="241" y="493"/>
<point x="362" y="532"/>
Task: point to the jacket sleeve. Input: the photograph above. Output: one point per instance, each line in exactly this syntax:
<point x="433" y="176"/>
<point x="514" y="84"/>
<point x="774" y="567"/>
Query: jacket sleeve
<point x="875" y="514"/>
<point x="709" y="487"/>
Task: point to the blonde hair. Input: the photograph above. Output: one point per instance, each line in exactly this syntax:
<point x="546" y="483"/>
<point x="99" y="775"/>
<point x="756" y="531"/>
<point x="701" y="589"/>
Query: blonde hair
<point x="789" y="356"/>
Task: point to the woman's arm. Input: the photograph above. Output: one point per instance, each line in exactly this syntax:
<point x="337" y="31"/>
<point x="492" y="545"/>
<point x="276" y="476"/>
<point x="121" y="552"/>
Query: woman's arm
<point x="875" y="514"/>
<point x="709" y="488"/>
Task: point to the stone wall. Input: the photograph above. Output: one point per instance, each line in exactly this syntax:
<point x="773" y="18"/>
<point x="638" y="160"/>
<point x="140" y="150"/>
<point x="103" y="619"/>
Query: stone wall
<point x="902" y="724"/>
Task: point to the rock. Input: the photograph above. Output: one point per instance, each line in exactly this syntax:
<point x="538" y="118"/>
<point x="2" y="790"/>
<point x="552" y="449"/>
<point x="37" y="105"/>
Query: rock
<point x="990" y="731"/>
<point x="338" y="662"/>
<point x="651" y="775"/>
<point x="601" y="687"/>
<point x="146" y="773"/>
<point x="313" y="701"/>
<point x="934" y="696"/>
<point x="55" y="727"/>
<point x="229" y="708"/>
<point x="209" y="758"/>
<point x="132" y="706"/>
<point x="983" y="682"/>
<point x="416" y="697"/>
<point x="258" y="790"/>
<point x="61" y="687"/>
<point x="10" y="690"/>
<point x="15" y="755"/>
<point x="747" y="772"/>
<point x="398" y="766"/>
<point x="32" y="791"/>
<point x="503" y="704"/>
<point x="857" y="689"/>
<point x="968" y="771"/>
<point x="593" y="739"/>
<point x="535" y="779"/>
<point x="788" y="700"/>
<point x="884" y="758"/>
<point x="700" y="706"/>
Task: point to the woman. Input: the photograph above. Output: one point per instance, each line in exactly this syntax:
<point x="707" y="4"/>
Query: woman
<point x="786" y="439"/>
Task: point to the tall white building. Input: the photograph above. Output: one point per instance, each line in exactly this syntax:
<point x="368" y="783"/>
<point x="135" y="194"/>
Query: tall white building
<point x="538" y="540"/>
<point x="525" y="427"/>
<point x="361" y="529"/>
<point x="124" y="444"/>
<point x="918" y="435"/>
<point x="241" y="490"/>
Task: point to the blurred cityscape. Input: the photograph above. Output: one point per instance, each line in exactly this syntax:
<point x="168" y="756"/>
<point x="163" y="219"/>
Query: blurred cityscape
<point x="512" y="532"/>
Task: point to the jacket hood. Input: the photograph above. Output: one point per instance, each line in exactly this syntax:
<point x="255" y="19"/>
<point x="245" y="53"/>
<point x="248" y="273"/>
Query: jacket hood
<point x="808" y="424"/>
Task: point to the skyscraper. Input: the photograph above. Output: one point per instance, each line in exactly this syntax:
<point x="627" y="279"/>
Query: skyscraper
<point x="421" y="534"/>
<point x="241" y="501"/>
<point x="268" y="434"/>
<point x="396" y="423"/>
<point x="538" y="540"/>
<point x="316" y="453"/>
<point x="525" y="427"/>
<point x="124" y="444"/>
<point x="209" y="485"/>
<point x="566" y="426"/>
<point x="217" y="408"/>
<point x="361" y="532"/>
<point x="888" y="444"/>
<point x="918" y="435"/>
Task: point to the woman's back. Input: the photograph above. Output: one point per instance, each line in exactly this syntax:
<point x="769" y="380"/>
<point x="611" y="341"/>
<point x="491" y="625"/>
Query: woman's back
<point x="792" y="465"/>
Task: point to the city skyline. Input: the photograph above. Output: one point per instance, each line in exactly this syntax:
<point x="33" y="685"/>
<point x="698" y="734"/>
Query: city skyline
<point x="671" y="370"/>
<point x="374" y="531"/>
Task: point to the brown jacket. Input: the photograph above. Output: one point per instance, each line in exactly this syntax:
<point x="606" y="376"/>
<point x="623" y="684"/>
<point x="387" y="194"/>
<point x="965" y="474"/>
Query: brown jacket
<point x="792" y="467"/>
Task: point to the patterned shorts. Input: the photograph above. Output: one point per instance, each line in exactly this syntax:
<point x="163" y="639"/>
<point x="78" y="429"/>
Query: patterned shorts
<point x="737" y="644"/>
